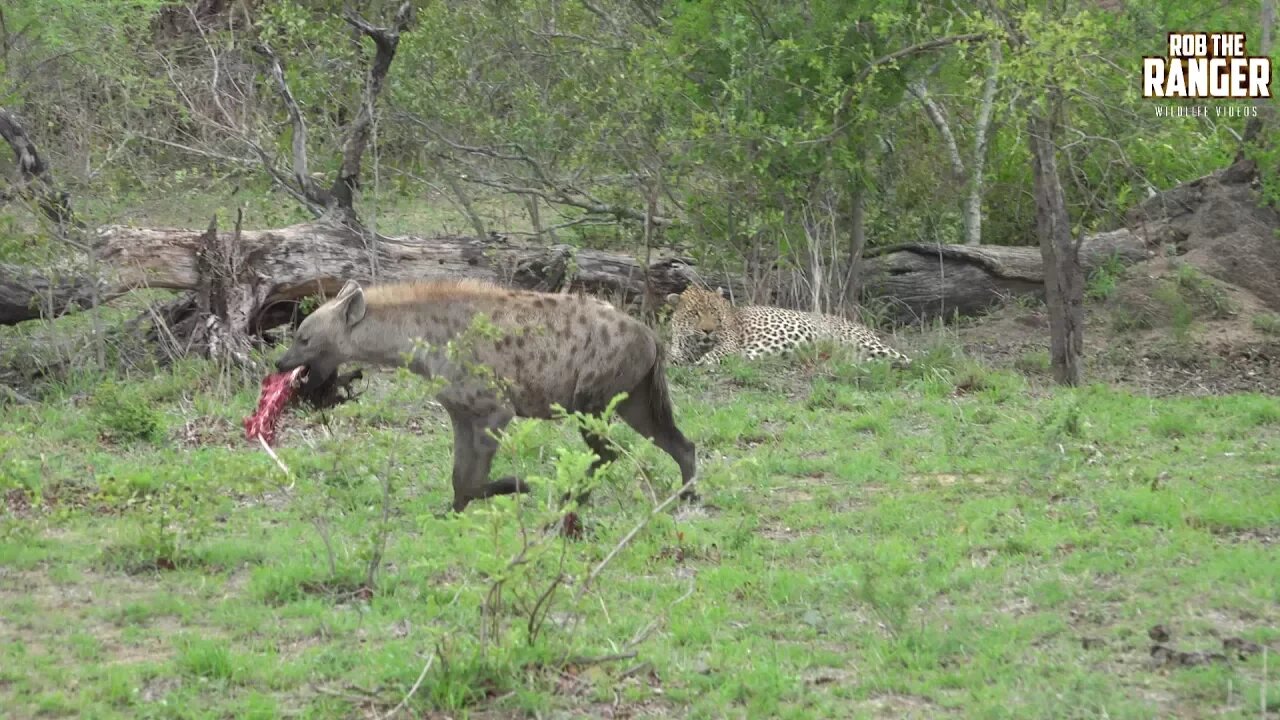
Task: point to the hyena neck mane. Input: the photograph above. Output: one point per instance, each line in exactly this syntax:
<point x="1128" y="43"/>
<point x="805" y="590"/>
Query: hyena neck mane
<point x="401" y="316"/>
<point x="413" y="296"/>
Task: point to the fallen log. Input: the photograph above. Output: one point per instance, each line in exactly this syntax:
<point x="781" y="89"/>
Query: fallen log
<point x="276" y="269"/>
<point x="27" y="294"/>
<point x="919" y="281"/>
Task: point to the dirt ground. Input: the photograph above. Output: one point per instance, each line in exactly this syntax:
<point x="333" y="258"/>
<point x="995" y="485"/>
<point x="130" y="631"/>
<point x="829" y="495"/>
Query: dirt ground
<point x="1202" y="317"/>
<point x="1214" y="356"/>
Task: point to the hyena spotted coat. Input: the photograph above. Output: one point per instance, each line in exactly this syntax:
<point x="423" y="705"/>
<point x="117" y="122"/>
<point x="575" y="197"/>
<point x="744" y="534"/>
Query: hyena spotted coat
<point x="575" y="351"/>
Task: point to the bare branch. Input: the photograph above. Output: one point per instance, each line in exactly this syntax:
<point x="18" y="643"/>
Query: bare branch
<point x="416" y="684"/>
<point x="584" y="220"/>
<point x="650" y="16"/>
<point x="608" y="19"/>
<point x="301" y="173"/>
<point x="552" y="191"/>
<point x="626" y="539"/>
<point x="385" y="40"/>
<point x="35" y="180"/>
<point x="846" y="100"/>
<point x="211" y="154"/>
<point x="281" y="179"/>
<point x="939" y="120"/>
<point x="213" y="57"/>
<point x="560" y="196"/>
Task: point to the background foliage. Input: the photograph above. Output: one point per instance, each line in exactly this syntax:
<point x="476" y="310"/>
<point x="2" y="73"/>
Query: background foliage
<point x="757" y="123"/>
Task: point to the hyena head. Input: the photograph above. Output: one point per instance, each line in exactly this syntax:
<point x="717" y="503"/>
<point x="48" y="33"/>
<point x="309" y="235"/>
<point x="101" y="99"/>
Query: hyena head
<point x="323" y="340"/>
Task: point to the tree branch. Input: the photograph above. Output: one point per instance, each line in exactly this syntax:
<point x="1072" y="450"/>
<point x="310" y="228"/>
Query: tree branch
<point x="35" y="181"/>
<point x="846" y="100"/>
<point x="385" y="41"/>
<point x="301" y="173"/>
<point x="552" y="191"/>
<point x="981" y="135"/>
<point x="934" y="113"/>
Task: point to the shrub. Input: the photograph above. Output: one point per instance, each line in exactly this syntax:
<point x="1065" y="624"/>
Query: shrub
<point x="1267" y="323"/>
<point x="124" y="414"/>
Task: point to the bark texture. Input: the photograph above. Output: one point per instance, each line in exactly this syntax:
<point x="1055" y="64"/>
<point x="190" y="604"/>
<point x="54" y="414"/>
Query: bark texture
<point x="1064" y="278"/>
<point x="921" y="282"/>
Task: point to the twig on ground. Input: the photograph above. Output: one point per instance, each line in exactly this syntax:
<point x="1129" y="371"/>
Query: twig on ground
<point x="626" y="539"/>
<point x="579" y="660"/>
<point x="279" y="463"/>
<point x="416" y="684"/>
<point x="647" y="630"/>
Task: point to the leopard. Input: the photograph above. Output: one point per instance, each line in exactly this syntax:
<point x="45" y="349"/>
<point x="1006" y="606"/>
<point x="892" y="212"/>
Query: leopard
<point x="706" y="328"/>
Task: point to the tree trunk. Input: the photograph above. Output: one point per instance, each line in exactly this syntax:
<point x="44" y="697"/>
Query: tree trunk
<point x="978" y="164"/>
<point x="857" y="242"/>
<point x="1063" y="278"/>
<point x="27" y="294"/>
<point x="464" y="201"/>
<point x="1244" y="168"/>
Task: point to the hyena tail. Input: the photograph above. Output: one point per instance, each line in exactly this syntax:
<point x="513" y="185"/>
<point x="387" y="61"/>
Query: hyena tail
<point x="660" y="407"/>
<point x="662" y="422"/>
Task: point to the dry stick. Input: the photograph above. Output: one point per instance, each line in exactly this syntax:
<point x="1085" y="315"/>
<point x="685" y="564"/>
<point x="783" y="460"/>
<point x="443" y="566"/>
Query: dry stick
<point x="580" y="660"/>
<point x="279" y="463"/>
<point x="644" y="633"/>
<point x="416" y="684"/>
<point x="647" y="630"/>
<point x="635" y="669"/>
<point x="626" y="539"/>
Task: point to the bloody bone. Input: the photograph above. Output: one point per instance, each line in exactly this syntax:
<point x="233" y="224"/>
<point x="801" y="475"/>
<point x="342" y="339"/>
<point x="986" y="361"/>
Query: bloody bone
<point x="276" y="391"/>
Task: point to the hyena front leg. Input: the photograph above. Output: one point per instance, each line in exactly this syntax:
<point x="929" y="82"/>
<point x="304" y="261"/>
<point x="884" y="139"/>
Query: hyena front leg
<point x="474" y="445"/>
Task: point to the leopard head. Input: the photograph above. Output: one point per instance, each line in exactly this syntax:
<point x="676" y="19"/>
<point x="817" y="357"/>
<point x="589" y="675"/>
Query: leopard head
<point x="699" y="323"/>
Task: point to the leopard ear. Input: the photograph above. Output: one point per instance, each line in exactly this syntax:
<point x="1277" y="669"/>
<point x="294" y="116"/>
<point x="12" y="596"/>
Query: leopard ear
<point x="673" y="299"/>
<point x="723" y="292"/>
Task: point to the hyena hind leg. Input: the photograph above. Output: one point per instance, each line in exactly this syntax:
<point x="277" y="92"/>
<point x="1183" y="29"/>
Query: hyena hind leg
<point x="660" y="427"/>
<point x="605" y="452"/>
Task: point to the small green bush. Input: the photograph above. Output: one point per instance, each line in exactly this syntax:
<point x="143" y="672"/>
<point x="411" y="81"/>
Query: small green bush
<point x="124" y="414"/>
<point x="1033" y="362"/>
<point x="1203" y="294"/>
<point x="1104" y="279"/>
<point x="1267" y="323"/>
<point x="1180" y="312"/>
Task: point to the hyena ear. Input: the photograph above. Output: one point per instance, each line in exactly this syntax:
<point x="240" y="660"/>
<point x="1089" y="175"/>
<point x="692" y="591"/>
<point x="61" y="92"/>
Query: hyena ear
<point x="348" y="287"/>
<point x="351" y="302"/>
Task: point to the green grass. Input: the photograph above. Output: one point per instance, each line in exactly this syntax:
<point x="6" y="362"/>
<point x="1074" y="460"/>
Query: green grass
<point x="942" y="540"/>
<point x="1267" y="323"/>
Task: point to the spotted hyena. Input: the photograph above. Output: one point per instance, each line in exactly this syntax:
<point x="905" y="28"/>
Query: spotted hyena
<point x="539" y="350"/>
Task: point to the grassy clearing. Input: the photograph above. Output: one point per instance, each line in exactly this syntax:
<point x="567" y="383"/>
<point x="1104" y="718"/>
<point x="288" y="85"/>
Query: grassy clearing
<point x="947" y="540"/>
